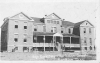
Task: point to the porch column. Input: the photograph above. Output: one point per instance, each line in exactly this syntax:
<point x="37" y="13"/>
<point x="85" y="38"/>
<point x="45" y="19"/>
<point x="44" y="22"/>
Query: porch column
<point x="44" y="42"/>
<point x="53" y="43"/>
<point x="70" y="41"/>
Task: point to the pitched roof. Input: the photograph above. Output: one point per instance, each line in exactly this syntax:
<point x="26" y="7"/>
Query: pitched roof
<point x="67" y="23"/>
<point x="79" y="23"/>
<point x="38" y="20"/>
<point x="22" y="14"/>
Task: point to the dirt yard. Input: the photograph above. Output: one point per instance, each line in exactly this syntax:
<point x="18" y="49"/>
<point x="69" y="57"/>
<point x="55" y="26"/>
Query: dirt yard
<point x="45" y="56"/>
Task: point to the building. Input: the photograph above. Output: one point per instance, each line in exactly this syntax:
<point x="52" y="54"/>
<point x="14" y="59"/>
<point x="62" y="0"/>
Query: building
<point x="21" y="33"/>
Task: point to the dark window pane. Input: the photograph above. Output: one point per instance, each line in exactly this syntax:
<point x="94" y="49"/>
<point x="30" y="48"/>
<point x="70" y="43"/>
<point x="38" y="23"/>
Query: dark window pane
<point x="16" y="26"/>
<point x="16" y="39"/>
<point x="25" y="40"/>
<point x="35" y="29"/>
<point x="25" y="27"/>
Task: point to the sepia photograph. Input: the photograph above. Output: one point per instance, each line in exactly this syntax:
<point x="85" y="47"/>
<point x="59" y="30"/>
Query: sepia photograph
<point x="48" y="30"/>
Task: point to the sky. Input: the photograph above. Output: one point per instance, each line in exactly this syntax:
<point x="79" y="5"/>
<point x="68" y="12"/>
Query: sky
<point x="70" y="11"/>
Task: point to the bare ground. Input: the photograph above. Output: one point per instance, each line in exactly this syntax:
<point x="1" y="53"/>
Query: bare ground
<point x="45" y="56"/>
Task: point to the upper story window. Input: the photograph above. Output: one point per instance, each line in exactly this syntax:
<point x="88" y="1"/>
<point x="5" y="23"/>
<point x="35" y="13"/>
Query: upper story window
<point x="55" y="29"/>
<point x="16" y="39"/>
<point x="25" y="40"/>
<point x="91" y="41"/>
<point x="85" y="48"/>
<point x="44" y="28"/>
<point x="57" y="22"/>
<point x="35" y="28"/>
<point x="16" y="26"/>
<point x="84" y="30"/>
<point x="61" y="29"/>
<point x="48" y="21"/>
<point x="25" y="27"/>
<point x="54" y="22"/>
<point x="51" y="21"/>
<point x="85" y="40"/>
<point x="89" y="30"/>
<point x="90" y="48"/>
<point x="69" y="30"/>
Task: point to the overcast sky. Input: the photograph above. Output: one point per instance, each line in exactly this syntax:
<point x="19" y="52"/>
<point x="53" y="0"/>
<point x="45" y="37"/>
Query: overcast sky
<point x="70" y="11"/>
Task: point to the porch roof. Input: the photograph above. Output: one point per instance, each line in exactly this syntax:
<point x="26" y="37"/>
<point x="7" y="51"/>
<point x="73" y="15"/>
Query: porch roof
<point x="51" y="34"/>
<point x="69" y="35"/>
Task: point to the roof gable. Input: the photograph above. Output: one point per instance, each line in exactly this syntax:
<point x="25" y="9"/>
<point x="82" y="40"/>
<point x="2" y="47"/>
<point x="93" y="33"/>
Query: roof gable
<point x="20" y="16"/>
<point x="53" y="16"/>
<point x="83" y="23"/>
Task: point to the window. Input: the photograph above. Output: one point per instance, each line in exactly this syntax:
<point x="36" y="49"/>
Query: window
<point x="90" y="48"/>
<point x="16" y="39"/>
<point x="84" y="39"/>
<point x="44" y="28"/>
<point x="35" y="29"/>
<point x="69" y="30"/>
<point x="16" y="26"/>
<point x="94" y="47"/>
<point x="25" y="49"/>
<point x="51" y="30"/>
<point x="54" y="22"/>
<point x="55" y="29"/>
<point x="25" y="27"/>
<point x="84" y="30"/>
<point x="57" y="22"/>
<point x="16" y="48"/>
<point x="85" y="48"/>
<point x="48" y="21"/>
<point x="51" y="21"/>
<point x="25" y="40"/>
<point x="91" y="41"/>
<point x="89" y="30"/>
<point x="61" y="31"/>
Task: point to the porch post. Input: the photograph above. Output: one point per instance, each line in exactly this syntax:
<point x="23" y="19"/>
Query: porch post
<point x="70" y="42"/>
<point x="53" y="43"/>
<point x="44" y="42"/>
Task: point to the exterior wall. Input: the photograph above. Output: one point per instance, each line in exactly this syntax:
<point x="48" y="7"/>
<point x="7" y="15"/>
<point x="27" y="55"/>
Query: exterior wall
<point x="4" y="36"/>
<point x="50" y="25"/>
<point x="20" y="32"/>
<point x="88" y="36"/>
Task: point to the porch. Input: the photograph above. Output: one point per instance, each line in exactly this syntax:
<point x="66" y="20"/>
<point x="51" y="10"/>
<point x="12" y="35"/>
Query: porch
<point x="49" y="42"/>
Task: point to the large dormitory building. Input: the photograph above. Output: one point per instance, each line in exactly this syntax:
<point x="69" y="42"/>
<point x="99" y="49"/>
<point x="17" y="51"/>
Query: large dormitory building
<point x="21" y="33"/>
